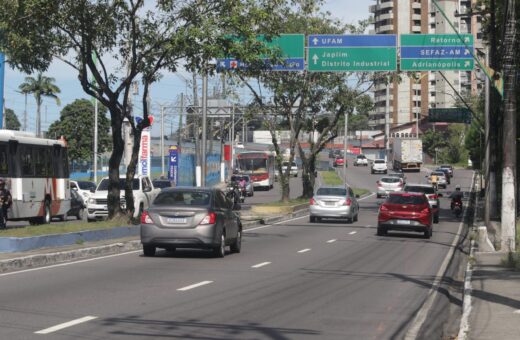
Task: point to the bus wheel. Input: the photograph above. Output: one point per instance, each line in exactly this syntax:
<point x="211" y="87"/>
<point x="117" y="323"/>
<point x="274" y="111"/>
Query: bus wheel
<point x="46" y="219"/>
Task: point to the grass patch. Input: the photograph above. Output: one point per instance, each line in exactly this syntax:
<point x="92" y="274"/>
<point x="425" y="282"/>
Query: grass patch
<point x="62" y="228"/>
<point x="360" y="192"/>
<point x="289" y="203"/>
<point x="331" y="178"/>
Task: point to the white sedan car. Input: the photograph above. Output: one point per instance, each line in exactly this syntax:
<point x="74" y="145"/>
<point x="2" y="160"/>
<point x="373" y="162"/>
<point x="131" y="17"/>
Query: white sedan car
<point x="361" y="160"/>
<point x="379" y="166"/>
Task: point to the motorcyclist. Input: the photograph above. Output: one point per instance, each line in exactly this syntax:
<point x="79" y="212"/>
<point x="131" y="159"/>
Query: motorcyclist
<point x="433" y="180"/>
<point x="5" y="201"/>
<point x="456" y="197"/>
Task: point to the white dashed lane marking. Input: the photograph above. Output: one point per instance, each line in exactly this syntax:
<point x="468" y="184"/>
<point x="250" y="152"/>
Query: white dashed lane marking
<point x="304" y="250"/>
<point x="261" y="265"/>
<point x="203" y="283"/>
<point x="352" y="232"/>
<point x="332" y="241"/>
<point x="66" y="325"/>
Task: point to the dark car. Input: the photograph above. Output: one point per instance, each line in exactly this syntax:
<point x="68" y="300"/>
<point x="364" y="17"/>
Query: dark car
<point x="449" y="167"/>
<point x="185" y="217"/>
<point x="446" y="174"/>
<point x="405" y="211"/>
<point x="77" y="206"/>
<point x="161" y="183"/>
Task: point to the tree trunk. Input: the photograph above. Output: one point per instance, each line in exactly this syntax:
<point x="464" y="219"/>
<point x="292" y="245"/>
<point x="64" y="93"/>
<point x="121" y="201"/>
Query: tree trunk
<point x="130" y="173"/>
<point x="308" y="172"/>
<point x="114" y="202"/>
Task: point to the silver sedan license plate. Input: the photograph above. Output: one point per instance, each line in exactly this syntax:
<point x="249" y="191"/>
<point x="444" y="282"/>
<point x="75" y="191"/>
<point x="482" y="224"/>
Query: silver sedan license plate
<point x="175" y="220"/>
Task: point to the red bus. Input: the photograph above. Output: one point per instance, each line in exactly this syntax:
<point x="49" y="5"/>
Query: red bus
<point x="259" y="165"/>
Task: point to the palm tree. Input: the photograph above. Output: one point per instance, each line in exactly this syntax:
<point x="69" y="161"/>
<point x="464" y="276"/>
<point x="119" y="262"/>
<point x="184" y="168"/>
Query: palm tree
<point x="40" y="87"/>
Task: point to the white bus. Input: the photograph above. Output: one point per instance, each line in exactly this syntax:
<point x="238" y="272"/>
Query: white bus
<point x="36" y="171"/>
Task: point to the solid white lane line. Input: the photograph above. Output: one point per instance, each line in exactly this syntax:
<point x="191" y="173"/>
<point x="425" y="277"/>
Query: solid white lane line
<point x="352" y="232"/>
<point x="364" y="198"/>
<point x="272" y="224"/>
<point x="260" y="264"/>
<point x="304" y="250"/>
<point x="368" y="226"/>
<point x="66" y="325"/>
<point x="203" y="283"/>
<point x="332" y="241"/>
<point x="70" y="263"/>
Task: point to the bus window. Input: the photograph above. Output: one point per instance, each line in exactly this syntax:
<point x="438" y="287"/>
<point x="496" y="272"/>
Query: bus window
<point x="4" y="167"/>
<point x="60" y="161"/>
<point x="26" y="161"/>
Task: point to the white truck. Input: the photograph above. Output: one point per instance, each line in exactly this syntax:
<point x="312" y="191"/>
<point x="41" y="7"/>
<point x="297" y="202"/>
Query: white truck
<point x="407" y="154"/>
<point x="144" y="194"/>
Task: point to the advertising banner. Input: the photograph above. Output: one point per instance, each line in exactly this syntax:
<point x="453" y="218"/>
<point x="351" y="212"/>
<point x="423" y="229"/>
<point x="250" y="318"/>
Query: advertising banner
<point x="173" y="165"/>
<point x="144" y="161"/>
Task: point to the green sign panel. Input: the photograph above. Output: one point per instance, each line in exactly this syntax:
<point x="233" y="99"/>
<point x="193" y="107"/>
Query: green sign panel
<point x="346" y="53"/>
<point x="290" y="45"/>
<point x="452" y="115"/>
<point x="436" y="52"/>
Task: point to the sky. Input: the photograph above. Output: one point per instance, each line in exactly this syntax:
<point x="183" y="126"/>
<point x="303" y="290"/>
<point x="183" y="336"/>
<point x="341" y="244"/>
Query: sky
<point x="166" y="92"/>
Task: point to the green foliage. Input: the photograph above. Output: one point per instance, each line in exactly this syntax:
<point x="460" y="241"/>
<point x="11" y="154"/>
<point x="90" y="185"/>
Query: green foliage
<point x="331" y="178"/>
<point x="40" y="87"/>
<point x="11" y="120"/>
<point x="432" y="140"/>
<point x="76" y="124"/>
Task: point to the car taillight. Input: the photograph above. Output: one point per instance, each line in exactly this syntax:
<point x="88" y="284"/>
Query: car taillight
<point x="348" y="202"/>
<point x="433" y="197"/>
<point x="210" y="218"/>
<point x="312" y="201"/>
<point x="379" y="184"/>
<point x="425" y="211"/>
<point x="383" y="208"/>
<point x="145" y="218"/>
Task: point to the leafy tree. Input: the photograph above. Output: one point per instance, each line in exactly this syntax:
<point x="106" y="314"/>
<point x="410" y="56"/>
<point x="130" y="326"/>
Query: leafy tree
<point x="40" y="87"/>
<point x="433" y="140"/>
<point x="11" y="120"/>
<point x="76" y="124"/>
<point x="142" y="40"/>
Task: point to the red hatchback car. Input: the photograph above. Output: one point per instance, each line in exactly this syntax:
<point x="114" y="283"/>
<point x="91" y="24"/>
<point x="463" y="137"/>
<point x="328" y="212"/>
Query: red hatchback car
<point x="338" y="161"/>
<point x="406" y="211"/>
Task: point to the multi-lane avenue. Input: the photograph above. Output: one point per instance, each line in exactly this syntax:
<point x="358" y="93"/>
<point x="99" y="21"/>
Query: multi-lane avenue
<point x="293" y="280"/>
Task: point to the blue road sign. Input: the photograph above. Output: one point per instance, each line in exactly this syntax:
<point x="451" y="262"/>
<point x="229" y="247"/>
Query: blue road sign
<point x="173" y="166"/>
<point x="435" y="52"/>
<point x="331" y="40"/>
<point x="290" y="64"/>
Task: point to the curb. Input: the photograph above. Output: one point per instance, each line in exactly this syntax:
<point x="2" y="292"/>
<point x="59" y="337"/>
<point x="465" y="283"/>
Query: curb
<point x="41" y="260"/>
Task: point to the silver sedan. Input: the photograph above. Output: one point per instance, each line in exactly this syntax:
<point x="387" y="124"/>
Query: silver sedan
<point x="336" y="202"/>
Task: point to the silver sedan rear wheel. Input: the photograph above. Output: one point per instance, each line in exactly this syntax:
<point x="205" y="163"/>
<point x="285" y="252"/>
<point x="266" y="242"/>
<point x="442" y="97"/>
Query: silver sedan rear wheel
<point x="220" y="250"/>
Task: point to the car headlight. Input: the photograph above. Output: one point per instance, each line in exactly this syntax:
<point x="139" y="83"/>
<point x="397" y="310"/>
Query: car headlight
<point x="85" y="194"/>
<point x="92" y="201"/>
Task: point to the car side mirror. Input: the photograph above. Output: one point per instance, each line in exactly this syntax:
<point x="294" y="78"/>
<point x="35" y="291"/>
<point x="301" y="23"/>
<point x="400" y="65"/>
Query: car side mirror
<point x="439" y="195"/>
<point x="147" y="189"/>
<point x="92" y="190"/>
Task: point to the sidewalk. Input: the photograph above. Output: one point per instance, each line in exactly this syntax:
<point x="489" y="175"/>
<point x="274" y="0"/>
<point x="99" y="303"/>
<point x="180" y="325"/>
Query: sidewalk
<point x="495" y="295"/>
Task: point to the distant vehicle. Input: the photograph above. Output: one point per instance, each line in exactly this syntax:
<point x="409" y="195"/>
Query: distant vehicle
<point x="294" y="168"/>
<point x="387" y="184"/>
<point x="338" y="161"/>
<point x="259" y="165"/>
<point x="407" y="154"/>
<point x="77" y="205"/>
<point x="143" y="190"/>
<point x="398" y="175"/>
<point x="361" y="160"/>
<point x="161" y="183"/>
<point x="334" y="202"/>
<point x="405" y="211"/>
<point x="191" y="218"/>
<point x="36" y="171"/>
<point x="446" y="174"/>
<point x="335" y="153"/>
<point x="441" y="179"/>
<point x="379" y="166"/>
<point x="249" y="185"/>
<point x="83" y="188"/>
<point x="431" y="194"/>
<point x="449" y="167"/>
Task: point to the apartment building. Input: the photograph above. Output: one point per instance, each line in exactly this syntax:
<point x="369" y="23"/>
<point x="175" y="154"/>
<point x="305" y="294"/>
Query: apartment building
<point x="411" y="94"/>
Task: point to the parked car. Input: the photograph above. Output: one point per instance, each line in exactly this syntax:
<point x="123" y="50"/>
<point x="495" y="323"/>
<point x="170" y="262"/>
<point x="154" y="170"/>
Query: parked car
<point x="379" y="166"/>
<point x="334" y="202"/>
<point x="446" y="174"/>
<point x="432" y="195"/>
<point x="185" y="217"/>
<point x="441" y="179"/>
<point x="249" y="185"/>
<point x="405" y="211"/>
<point x="398" y="175"/>
<point x="361" y="160"/>
<point x="338" y="161"/>
<point x="449" y="167"/>
<point x="83" y="188"/>
<point x="161" y="183"/>
<point x="335" y="153"/>
<point x="294" y="168"/>
<point x="77" y="205"/>
<point x="388" y="184"/>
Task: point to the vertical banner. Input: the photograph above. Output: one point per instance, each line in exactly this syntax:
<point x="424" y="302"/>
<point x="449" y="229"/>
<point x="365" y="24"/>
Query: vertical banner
<point x="173" y="165"/>
<point x="144" y="154"/>
<point x="2" y="75"/>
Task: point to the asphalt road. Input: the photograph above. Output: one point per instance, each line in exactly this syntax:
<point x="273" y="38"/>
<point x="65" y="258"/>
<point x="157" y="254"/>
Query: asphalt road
<point x="293" y="280"/>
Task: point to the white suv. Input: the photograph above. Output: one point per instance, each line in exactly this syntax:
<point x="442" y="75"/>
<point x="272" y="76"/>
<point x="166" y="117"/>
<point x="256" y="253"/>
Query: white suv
<point x="361" y="160"/>
<point x="379" y="165"/>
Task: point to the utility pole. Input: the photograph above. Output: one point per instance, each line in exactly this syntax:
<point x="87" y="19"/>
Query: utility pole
<point x="345" y="140"/>
<point x="25" y="113"/>
<point x="508" y="218"/>
<point x="161" y="151"/>
<point x="196" y="132"/>
<point x="95" y="139"/>
<point x="387" y="121"/>
<point x="180" y="121"/>
<point x="204" y="125"/>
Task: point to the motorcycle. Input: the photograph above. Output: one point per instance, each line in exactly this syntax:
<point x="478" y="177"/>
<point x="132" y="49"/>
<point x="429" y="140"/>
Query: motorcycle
<point x="233" y="193"/>
<point x="457" y="208"/>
